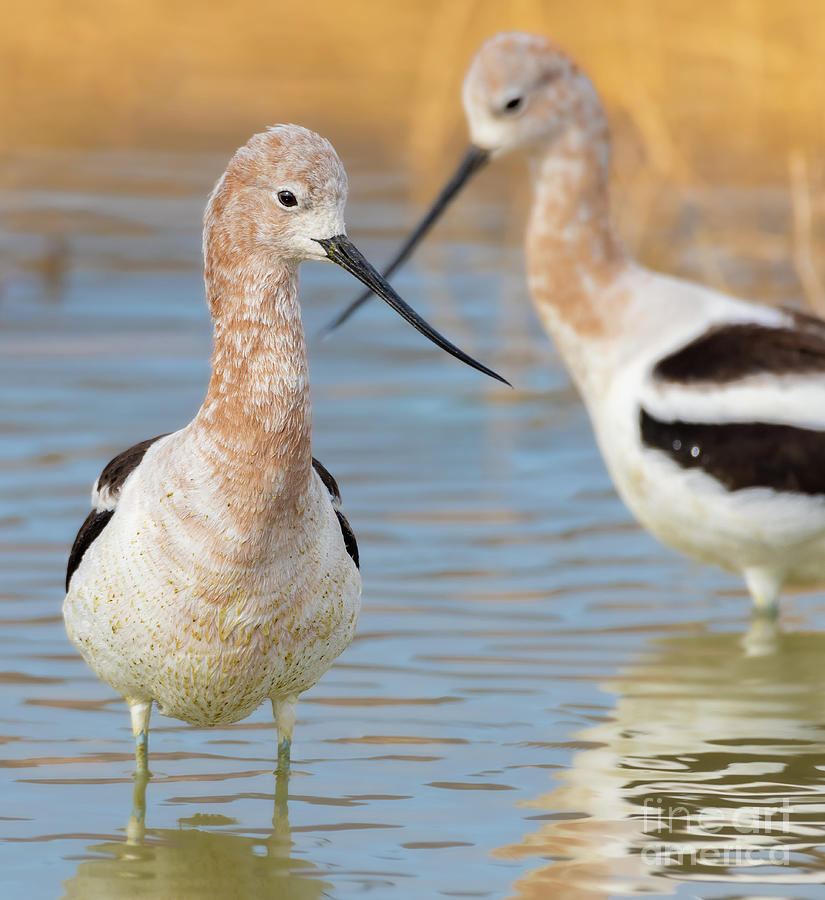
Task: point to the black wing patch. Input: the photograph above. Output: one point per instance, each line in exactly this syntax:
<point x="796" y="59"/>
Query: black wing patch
<point x="89" y="532"/>
<point x="329" y="482"/>
<point x="121" y="467"/>
<point x="112" y="478"/>
<point x="350" y="544"/>
<point x="743" y="455"/>
<point x="730" y="352"/>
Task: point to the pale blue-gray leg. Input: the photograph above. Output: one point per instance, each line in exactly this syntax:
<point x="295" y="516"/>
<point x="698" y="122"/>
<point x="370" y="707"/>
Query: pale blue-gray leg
<point x="283" y="708"/>
<point x="764" y="585"/>
<point x="140" y="711"/>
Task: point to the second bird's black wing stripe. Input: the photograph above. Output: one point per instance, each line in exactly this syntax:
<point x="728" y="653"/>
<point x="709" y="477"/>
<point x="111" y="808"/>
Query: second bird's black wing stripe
<point x="743" y="455"/>
<point x="111" y="479"/>
<point x="89" y="532"/>
<point x="729" y="352"/>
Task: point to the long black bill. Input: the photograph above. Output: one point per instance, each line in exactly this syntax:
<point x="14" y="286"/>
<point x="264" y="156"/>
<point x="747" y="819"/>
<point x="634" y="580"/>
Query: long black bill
<point x="342" y="251"/>
<point x="473" y="160"/>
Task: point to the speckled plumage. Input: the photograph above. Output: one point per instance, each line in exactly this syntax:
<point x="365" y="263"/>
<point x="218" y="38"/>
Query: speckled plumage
<point x="217" y="568"/>
<point x="222" y="578"/>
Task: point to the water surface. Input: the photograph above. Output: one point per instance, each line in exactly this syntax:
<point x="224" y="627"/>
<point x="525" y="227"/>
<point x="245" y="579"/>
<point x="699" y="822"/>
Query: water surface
<point x="540" y="702"/>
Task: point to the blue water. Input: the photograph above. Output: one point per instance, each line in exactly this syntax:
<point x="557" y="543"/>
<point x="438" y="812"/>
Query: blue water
<point x="534" y="679"/>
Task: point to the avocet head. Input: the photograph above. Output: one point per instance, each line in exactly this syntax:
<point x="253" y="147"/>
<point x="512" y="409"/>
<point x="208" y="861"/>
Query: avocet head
<point x="521" y="90"/>
<point x="280" y="202"/>
<point x="281" y="192"/>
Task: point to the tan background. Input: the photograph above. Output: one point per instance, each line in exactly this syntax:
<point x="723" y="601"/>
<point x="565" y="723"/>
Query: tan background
<point x="702" y="93"/>
<point x="727" y="87"/>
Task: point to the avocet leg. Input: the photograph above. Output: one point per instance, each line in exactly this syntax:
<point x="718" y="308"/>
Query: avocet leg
<point x="140" y="711"/>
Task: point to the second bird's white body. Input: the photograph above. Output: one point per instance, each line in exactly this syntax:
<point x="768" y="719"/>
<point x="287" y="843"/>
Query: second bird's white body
<point x="769" y="536"/>
<point x="709" y="411"/>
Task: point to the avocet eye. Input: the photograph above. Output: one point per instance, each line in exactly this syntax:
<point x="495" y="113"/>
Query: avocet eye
<point x="514" y="104"/>
<point x="287" y="199"/>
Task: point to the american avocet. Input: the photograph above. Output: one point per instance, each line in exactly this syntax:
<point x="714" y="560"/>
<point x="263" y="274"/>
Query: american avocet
<point x="216" y="569"/>
<point x="709" y="411"/>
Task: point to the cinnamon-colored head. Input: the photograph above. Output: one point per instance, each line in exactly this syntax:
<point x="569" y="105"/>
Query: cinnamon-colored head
<point x="283" y="191"/>
<point x="281" y="201"/>
<point x="522" y="90"/>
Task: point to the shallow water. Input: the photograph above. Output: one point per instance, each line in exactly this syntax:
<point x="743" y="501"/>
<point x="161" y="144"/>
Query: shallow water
<point x="540" y="702"/>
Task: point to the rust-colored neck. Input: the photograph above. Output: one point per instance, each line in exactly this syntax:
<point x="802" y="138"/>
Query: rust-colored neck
<point x="573" y="256"/>
<point x="254" y="427"/>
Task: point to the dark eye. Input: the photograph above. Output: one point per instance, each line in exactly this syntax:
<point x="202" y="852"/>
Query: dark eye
<point x="513" y="104"/>
<point x="287" y="198"/>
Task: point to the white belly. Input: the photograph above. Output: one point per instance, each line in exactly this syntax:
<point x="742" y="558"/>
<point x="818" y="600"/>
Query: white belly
<point x="160" y="615"/>
<point x="692" y="512"/>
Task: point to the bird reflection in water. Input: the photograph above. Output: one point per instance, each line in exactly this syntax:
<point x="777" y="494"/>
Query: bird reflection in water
<point x="193" y="861"/>
<point x="709" y="770"/>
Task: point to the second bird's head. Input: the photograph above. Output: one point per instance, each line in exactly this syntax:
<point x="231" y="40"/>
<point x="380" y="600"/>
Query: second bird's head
<point x="521" y="91"/>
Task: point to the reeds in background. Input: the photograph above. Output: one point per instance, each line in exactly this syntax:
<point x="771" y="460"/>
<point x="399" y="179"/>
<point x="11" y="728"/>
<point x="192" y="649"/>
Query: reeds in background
<point x="717" y="104"/>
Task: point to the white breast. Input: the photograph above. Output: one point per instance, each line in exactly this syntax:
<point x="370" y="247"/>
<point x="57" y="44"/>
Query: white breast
<point x="170" y="603"/>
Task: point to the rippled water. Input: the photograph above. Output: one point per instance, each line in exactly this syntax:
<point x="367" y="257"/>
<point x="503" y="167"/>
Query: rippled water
<point x="541" y="701"/>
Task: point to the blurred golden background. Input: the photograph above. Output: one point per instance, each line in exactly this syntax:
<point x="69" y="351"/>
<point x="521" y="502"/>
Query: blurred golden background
<point x="702" y="93"/>
<point x="725" y="87"/>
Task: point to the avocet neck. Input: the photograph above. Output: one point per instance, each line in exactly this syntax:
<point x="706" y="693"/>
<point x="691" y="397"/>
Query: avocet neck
<point x="254" y="427"/>
<point x="574" y="259"/>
